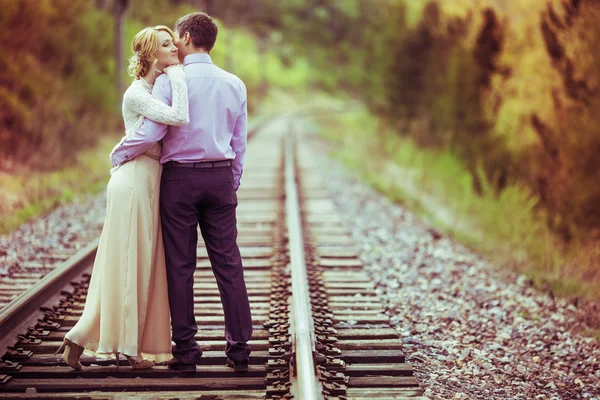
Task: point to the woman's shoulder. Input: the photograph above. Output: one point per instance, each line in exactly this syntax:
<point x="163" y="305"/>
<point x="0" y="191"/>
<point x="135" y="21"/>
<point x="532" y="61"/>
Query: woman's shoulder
<point x="135" y="90"/>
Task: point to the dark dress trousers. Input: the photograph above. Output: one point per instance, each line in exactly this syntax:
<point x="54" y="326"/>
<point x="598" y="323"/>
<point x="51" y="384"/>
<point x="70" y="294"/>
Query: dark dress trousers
<point x="204" y="197"/>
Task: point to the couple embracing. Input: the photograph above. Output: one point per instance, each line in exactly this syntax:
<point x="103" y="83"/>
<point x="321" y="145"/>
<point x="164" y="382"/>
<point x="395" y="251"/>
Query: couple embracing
<point x="178" y="167"/>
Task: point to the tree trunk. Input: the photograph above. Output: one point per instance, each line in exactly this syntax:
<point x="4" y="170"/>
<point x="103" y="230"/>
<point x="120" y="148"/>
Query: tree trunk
<point x="120" y="6"/>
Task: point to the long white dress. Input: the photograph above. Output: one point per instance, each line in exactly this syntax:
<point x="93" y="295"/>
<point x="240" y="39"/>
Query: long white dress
<point x="127" y="307"/>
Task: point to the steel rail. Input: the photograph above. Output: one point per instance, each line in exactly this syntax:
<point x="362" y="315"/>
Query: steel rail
<point x="22" y="307"/>
<point x="303" y="329"/>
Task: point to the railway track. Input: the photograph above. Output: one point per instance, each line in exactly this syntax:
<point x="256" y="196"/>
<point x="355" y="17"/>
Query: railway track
<point x="23" y="275"/>
<point x="320" y="331"/>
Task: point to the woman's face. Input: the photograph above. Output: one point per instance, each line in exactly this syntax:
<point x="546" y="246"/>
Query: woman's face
<point x="166" y="54"/>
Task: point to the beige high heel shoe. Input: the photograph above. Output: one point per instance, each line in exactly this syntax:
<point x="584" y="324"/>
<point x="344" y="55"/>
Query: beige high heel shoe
<point x="72" y="353"/>
<point x="144" y="364"/>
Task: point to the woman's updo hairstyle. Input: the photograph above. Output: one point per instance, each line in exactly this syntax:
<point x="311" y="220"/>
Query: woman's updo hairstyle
<point x="144" y="45"/>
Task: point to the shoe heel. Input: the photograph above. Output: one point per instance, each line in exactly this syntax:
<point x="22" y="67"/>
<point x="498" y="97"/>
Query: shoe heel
<point x="66" y="354"/>
<point x="143" y="364"/>
<point x="71" y="354"/>
<point x="61" y="348"/>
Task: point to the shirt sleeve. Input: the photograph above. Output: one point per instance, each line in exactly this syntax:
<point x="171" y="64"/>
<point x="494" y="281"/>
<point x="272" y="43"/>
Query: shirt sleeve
<point x="149" y="106"/>
<point x="146" y="135"/>
<point x="239" y="140"/>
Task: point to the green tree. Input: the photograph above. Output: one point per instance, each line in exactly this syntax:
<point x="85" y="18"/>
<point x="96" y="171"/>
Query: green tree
<point x="55" y="80"/>
<point x="567" y="176"/>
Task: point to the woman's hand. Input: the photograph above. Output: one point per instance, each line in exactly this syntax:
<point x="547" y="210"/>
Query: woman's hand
<point x="169" y="67"/>
<point x="174" y="70"/>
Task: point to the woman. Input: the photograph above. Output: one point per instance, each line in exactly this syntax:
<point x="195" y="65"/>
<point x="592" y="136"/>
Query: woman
<point x="127" y="309"/>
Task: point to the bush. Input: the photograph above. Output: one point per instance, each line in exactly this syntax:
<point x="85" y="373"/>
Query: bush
<point x="567" y="176"/>
<point x="57" y="81"/>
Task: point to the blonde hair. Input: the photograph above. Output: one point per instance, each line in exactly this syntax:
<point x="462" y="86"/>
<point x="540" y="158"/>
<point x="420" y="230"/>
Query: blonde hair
<point x="144" y="45"/>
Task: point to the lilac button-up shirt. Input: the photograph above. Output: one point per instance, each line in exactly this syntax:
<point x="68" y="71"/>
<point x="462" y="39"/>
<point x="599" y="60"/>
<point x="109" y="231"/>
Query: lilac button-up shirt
<point x="218" y="120"/>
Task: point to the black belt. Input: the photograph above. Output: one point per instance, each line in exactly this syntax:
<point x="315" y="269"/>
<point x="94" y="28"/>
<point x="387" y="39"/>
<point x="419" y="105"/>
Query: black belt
<point x="201" y="164"/>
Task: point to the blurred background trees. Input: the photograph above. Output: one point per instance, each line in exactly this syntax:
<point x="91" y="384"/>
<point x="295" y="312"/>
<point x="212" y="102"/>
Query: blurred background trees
<point x="510" y="87"/>
<point x="56" y="75"/>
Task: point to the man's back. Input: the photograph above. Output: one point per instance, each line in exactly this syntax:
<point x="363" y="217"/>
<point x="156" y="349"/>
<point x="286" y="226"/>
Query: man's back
<point x="217" y="107"/>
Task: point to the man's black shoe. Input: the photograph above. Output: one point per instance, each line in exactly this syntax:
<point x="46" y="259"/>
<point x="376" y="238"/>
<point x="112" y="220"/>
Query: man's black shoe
<point x="179" y="366"/>
<point x="238" y="366"/>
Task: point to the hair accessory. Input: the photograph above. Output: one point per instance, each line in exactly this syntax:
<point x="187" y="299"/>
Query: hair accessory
<point x="136" y="57"/>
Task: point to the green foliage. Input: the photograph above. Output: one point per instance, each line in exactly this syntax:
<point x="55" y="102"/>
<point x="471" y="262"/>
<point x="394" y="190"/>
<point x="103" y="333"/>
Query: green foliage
<point x="510" y="92"/>
<point x="28" y="195"/>
<point x="437" y="86"/>
<point x="569" y="140"/>
<point x="246" y="46"/>
<point x="56" y="77"/>
<point x="501" y="102"/>
<point x="509" y="228"/>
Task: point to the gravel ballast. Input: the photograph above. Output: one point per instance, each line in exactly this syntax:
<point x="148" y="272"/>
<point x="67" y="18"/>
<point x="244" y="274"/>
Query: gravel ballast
<point x="470" y="330"/>
<point x="64" y="230"/>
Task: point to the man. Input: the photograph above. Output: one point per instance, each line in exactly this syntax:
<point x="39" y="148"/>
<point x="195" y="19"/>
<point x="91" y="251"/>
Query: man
<point x="202" y="167"/>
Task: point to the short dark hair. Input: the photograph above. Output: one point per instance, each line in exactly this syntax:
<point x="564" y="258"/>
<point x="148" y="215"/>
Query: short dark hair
<point x="203" y="30"/>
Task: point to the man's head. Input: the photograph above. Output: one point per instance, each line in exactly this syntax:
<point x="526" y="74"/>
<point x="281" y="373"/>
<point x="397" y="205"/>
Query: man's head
<point x="195" y="33"/>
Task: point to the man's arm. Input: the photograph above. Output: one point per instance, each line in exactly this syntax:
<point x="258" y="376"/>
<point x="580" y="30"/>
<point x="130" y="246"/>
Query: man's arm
<point x="145" y="136"/>
<point x="238" y="143"/>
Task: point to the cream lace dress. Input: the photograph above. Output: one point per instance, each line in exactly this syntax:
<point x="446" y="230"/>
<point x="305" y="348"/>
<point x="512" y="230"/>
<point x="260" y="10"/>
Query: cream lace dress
<point x="127" y="308"/>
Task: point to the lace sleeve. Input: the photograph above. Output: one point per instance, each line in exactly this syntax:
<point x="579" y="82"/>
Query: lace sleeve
<point x="145" y="104"/>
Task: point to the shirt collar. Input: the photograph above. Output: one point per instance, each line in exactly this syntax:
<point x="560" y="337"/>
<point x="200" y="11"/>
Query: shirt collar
<point x="197" y="58"/>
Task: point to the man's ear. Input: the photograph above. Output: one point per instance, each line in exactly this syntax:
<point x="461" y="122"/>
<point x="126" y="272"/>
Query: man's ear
<point x="187" y="38"/>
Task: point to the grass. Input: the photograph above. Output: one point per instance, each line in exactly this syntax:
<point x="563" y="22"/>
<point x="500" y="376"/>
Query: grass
<point x="506" y="228"/>
<point x="25" y="197"/>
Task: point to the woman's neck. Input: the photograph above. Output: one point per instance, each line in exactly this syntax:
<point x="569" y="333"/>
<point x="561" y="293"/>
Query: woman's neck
<point x="150" y="77"/>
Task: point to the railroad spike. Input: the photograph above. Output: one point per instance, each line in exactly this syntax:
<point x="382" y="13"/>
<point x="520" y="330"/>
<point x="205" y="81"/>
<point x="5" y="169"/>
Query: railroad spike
<point x="43" y="323"/>
<point x="334" y="388"/>
<point x="329" y="330"/>
<point x="327" y="339"/>
<point x="9" y="366"/>
<point x="277" y="364"/>
<point x="37" y="332"/>
<point x="28" y="339"/>
<point x="277" y="376"/>
<point x="278" y="388"/>
<point x="17" y="353"/>
<point x="334" y="376"/>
